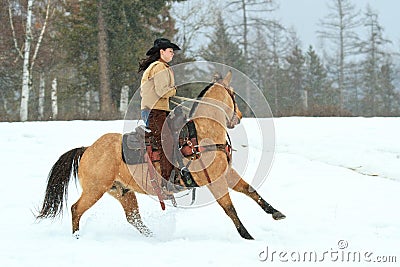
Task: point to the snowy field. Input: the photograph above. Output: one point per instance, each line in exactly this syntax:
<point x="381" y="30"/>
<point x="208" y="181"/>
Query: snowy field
<point x="336" y="179"/>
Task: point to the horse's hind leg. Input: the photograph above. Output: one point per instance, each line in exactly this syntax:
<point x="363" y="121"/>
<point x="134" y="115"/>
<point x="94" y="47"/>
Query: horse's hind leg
<point x="238" y="184"/>
<point x="128" y="200"/>
<point x="85" y="202"/>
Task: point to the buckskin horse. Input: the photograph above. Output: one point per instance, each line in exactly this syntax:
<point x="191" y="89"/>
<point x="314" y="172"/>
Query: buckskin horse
<point x="100" y="168"/>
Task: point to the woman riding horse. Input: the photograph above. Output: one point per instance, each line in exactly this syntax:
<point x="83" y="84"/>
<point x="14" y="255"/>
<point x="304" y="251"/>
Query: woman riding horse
<point x="100" y="168"/>
<point x="157" y="86"/>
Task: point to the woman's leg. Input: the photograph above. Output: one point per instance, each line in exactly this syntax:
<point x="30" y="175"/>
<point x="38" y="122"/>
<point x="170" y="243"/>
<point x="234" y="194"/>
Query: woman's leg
<point x="156" y="121"/>
<point x="145" y="116"/>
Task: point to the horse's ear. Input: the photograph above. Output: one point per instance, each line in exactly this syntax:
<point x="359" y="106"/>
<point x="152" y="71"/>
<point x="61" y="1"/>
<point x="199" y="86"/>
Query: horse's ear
<point x="217" y="77"/>
<point x="227" y="80"/>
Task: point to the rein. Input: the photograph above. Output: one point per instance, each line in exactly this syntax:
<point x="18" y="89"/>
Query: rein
<point x="201" y="102"/>
<point x="230" y="119"/>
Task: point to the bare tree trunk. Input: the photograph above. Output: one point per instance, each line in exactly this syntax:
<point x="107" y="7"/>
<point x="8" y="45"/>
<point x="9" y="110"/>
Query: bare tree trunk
<point x="25" y="72"/>
<point x="304" y="97"/>
<point x="124" y="100"/>
<point x="54" y="105"/>
<point x="245" y="32"/>
<point x="341" y="53"/>
<point x="246" y="55"/>
<point x="5" y="103"/>
<point x="340" y="27"/>
<point x="41" y="96"/>
<point x="86" y="105"/>
<point x="106" y="107"/>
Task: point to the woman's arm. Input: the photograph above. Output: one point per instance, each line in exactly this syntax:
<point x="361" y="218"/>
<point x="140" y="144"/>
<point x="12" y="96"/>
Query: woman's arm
<point x="163" y="83"/>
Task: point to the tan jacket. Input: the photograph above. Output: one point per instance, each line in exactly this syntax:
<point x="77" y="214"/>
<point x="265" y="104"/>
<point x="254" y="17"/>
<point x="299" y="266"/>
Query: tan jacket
<point x="157" y="86"/>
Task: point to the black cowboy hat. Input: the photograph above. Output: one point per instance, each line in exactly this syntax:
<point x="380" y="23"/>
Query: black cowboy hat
<point x="161" y="43"/>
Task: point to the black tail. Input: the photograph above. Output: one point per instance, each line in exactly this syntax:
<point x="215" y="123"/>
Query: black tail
<point x="57" y="183"/>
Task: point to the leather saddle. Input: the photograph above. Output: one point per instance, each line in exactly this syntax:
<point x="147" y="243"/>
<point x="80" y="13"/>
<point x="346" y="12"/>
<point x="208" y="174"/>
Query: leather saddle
<point x="137" y="143"/>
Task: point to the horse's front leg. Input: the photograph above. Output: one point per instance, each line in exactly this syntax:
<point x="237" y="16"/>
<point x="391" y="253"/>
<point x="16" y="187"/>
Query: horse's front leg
<point x="219" y="189"/>
<point x="238" y="184"/>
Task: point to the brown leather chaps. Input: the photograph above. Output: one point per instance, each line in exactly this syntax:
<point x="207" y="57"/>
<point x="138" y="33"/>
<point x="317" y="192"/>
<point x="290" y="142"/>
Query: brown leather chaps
<point x="162" y="140"/>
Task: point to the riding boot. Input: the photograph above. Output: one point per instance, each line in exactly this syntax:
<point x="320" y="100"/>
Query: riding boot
<point x="176" y="124"/>
<point x="187" y="178"/>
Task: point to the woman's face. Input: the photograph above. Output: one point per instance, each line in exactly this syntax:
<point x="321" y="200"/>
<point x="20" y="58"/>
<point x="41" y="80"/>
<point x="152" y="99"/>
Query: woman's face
<point x="167" y="54"/>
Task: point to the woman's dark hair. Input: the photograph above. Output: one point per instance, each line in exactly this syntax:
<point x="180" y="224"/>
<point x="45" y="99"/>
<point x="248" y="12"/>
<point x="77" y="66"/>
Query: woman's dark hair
<point x="145" y="63"/>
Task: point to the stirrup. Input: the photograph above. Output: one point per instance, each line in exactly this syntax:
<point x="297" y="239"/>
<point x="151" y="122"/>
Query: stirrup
<point x="188" y="178"/>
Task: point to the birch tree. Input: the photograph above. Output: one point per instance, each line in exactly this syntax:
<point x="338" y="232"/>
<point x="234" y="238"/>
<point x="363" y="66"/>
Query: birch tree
<point x="28" y="59"/>
<point x="123" y="106"/>
<point x="25" y="72"/>
<point x="41" y="96"/>
<point x="54" y="103"/>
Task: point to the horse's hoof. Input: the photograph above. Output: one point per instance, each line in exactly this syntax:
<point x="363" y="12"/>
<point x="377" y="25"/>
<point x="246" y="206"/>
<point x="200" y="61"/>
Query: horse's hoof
<point x="243" y="233"/>
<point x="278" y="215"/>
<point x="147" y="233"/>
<point x="75" y="234"/>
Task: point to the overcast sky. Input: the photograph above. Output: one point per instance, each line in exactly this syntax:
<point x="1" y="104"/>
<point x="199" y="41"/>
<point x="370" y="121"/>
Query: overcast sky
<point x="304" y="16"/>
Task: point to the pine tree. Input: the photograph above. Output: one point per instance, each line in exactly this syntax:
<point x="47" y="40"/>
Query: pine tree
<point x="388" y="93"/>
<point x="127" y="31"/>
<point x="356" y="83"/>
<point x="295" y="99"/>
<point x="316" y="83"/>
<point x="222" y="49"/>
<point x="276" y="82"/>
<point x="375" y="52"/>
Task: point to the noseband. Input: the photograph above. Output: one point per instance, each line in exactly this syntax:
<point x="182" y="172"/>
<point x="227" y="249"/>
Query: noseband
<point x="232" y="95"/>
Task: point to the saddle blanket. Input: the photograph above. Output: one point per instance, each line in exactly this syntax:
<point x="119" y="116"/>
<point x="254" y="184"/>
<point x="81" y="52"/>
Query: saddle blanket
<point x="133" y="146"/>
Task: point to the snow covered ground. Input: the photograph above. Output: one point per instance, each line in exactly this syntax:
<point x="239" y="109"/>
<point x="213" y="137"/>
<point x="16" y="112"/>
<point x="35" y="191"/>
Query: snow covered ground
<point x="336" y="179"/>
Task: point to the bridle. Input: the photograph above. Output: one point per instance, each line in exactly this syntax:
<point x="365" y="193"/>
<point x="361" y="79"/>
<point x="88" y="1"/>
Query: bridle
<point x="231" y="121"/>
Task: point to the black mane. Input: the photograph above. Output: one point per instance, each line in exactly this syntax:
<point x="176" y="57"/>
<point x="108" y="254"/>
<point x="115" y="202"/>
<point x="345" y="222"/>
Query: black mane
<point x="202" y="93"/>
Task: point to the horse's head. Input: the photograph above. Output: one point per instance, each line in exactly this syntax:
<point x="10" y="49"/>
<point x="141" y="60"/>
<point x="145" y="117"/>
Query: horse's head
<point x="233" y="114"/>
<point x="217" y="103"/>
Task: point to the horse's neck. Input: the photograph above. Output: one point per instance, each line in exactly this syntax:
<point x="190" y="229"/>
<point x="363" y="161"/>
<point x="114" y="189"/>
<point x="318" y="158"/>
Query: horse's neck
<point x="208" y="129"/>
<point x="210" y="117"/>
